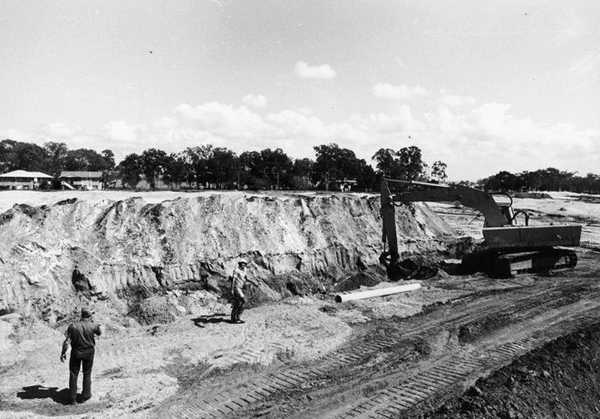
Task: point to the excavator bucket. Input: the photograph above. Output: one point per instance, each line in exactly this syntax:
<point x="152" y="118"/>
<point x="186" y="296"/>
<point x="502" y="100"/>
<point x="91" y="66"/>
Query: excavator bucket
<point x="532" y="237"/>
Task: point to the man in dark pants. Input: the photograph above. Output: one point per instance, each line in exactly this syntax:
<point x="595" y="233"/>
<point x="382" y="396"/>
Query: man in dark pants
<point x="238" y="280"/>
<point x="81" y="336"/>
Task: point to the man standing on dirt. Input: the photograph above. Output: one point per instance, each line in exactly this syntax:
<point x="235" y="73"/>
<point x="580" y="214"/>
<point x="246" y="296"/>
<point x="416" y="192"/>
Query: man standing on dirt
<point x="81" y="336"/>
<point x="238" y="279"/>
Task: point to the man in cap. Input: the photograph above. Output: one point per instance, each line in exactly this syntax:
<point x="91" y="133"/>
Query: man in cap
<point x="81" y="336"/>
<point x="238" y="280"/>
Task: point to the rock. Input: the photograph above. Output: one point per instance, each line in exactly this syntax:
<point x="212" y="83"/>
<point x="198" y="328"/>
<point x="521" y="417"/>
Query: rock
<point x="155" y="310"/>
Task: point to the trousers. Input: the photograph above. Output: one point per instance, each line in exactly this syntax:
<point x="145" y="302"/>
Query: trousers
<point x="80" y="359"/>
<point x="237" y="306"/>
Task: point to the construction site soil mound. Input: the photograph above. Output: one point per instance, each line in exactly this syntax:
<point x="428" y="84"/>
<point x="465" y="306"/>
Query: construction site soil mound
<point x="559" y="380"/>
<point x="155" y="260"/>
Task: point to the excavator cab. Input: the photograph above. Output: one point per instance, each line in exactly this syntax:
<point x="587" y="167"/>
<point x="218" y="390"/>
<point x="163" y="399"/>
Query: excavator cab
<point x="505" y="204"/>
<point x="508" y="248"/>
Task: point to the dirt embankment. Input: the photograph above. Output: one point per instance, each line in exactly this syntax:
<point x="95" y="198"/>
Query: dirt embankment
<point x="124" y="253"/>
<point x="558" y="380"/>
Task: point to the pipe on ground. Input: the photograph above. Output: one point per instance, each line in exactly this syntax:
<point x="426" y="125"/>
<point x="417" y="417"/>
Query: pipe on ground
<point x="379" y="292"/>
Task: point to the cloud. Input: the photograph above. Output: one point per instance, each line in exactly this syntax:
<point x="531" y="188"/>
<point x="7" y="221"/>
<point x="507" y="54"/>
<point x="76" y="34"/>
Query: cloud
<point x="256" y="101"/>
<point x="306" y="71"/>
<point x="491" y="117"/>
<point x="222" y="120"/>
<point x="121" y="131"/>
<point x="456" y="100"/>
<point x="569" y="26"/>
<point x="59" y="130"/>
<point x="401" y="92"/>
<point x="587" y="65"/>
<point x="476" y="140"/>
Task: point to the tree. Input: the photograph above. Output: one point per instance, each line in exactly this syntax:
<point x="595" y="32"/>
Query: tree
<point x="302" y="173"/>
<point x="438" y="171"/>
<point x="222" y="167"/>
<point x="367" y="178"/>
<point x="196" y="159"/>
<point x="502" y="181"/>
<point x="7" y="155"/>
<point x="154" y="163"/>
<point x="109" y="159"/>
<point x="250" y="170"/>
<point x="84" y="159"/>
<point x="410" y="164"/>
<point x="175" y="169"/>
<point x="303" y="167"/>
<point x="276" y="166"/>
<point x="334" y="163"/>
<point x="385" y="159"/>
<point x="130" y="170"/>
<point x="29" y="156"/>
<point x="56" y="152"/>
<point x="406" y="163"/>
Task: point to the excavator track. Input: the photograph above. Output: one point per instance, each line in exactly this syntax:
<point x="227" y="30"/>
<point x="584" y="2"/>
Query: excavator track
<point x="540" y="261"/>
<point x="505" y="264"/>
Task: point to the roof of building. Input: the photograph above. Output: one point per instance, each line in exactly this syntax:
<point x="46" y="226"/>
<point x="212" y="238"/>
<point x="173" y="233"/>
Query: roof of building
<point x="81" y="174"/>
<point x="25" y="174"/>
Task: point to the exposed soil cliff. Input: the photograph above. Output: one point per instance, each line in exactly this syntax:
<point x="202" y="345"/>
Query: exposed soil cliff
<point x="51" y="256"/>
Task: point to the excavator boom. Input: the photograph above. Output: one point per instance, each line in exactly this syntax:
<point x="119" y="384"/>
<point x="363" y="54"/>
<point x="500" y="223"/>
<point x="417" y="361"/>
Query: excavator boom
<point x="469" y="197"/>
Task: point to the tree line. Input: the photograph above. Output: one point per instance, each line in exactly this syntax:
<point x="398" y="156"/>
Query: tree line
<point x="219" y="167"/>
<point x="550" y="179"/>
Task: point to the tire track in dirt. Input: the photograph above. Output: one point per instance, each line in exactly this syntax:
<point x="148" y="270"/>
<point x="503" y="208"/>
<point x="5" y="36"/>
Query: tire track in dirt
<point x="403" y="398"/>
<point x="237" y="399"/>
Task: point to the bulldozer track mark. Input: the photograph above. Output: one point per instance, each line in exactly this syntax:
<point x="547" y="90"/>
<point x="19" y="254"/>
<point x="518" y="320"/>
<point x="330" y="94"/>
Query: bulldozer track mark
<point x="397" y="398"/>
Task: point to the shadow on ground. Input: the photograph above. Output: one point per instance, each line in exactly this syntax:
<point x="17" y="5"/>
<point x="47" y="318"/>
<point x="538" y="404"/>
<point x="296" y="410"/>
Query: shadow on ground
<point x="40" y="392"/>
<point x="211" y="318"/>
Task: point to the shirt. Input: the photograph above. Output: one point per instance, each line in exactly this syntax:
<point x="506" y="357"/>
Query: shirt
<point x="82" y="335"/>
<point x="238" y="279"/>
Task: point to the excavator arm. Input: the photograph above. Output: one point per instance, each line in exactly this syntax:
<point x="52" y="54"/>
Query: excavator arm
<point x="469" y="197"/>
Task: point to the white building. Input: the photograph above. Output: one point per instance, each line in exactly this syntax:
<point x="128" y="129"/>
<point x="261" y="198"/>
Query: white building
<point x="81" y="180"/>
<point x="21" y="179"/>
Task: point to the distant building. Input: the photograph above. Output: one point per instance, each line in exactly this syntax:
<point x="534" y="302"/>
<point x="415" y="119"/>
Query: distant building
<point x="86" y="181"/>
<point x="345" y="185"/>
<point x="21" y="179"/>
<point x="159" y="184"/>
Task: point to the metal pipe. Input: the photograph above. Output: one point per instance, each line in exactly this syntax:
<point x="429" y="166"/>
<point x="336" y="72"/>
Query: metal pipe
<point x="379" y="292"/>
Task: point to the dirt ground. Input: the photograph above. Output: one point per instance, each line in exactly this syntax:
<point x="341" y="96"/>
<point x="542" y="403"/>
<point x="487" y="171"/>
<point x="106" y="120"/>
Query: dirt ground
<point x="405" y="355"/>
<point x="558" y="380"/>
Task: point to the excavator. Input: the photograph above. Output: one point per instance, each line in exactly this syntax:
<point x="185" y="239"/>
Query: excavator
<point x="508" y="248"/>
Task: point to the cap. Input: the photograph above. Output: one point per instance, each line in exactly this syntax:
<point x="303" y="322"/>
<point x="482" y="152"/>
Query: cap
<point x="85" y="313"/>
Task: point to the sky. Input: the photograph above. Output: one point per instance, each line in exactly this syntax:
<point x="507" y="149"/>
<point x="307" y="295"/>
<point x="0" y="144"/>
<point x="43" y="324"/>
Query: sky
<point x="482" y="86"/>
